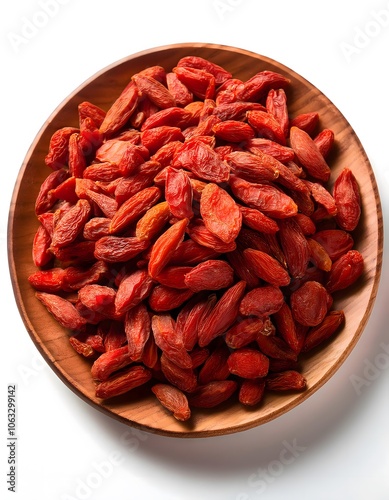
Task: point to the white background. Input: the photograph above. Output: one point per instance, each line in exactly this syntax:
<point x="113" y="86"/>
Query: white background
<point x="66" y="449"/>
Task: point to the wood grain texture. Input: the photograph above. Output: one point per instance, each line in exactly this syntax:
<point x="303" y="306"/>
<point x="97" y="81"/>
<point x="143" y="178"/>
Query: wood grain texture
<point x="139" y="408"/>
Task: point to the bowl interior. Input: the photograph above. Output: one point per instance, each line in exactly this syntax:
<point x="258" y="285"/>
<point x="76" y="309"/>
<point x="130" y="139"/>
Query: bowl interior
<point x="139" y="408"/>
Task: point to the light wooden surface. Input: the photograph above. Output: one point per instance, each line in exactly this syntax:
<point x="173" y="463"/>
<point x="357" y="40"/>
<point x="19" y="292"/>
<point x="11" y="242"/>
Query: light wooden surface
<point x="138" y="408"/>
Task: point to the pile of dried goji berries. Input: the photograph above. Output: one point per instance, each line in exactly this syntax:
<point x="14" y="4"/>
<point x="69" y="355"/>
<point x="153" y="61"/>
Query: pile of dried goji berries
<point x="187" y="239"/>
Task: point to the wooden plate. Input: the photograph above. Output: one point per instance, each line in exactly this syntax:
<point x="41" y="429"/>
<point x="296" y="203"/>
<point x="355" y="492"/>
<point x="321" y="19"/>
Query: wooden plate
<point x="137" y="408"/>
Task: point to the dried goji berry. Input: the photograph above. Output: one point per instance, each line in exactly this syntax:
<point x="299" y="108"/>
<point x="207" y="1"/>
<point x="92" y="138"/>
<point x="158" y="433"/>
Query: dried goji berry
<point x="233" y="131"/>
<point x="134" y="208"/>
<point x="106" y="204"/>
<point x="345" y="271"/>
<point x="163" y="327"/>
<point x="77" y="160"/>
<point x="287" y="328"/>
<point x="223" y="315"/>
<point x="179" y="193"/>
<point x="173" y="399"/>
<point x="154" y="90"/>
<point x="46" y="197"/>
<point x="243" y="332"/>
<point x="262" y="301"/>
<point x="264" y="197"/>
<point x="99" y="298"/>
<point x="66" y="191"/>
<point x="189" y="252"/>
<point x="276" y="104"/>
<point x="220" y="213"/>
<point x="82" y="348"/>
<point x="113" y="334"/>
<point x="150" y="355"/>
<point x="154" y="138"/>
<point x="212" y="394"/>
<point x="221" y="74"/>
<point x="235" y="110"/>
<point x="174" y="276"/>
<point x="203" y="236"/>
<point x="165" y="245"/>
<point x="58" y="154"/>
<point x="275" y="347"/>
<point x="50" y="280"/>
<point x="137" y="325"/>
<point x="87" y="109"/>
<point x="90" y="137"/>
<point x="251" y="392"/>
<point x="121" y="110"/>
<point x="309" y="154"/>
<point x="123" y="382"/>
<point x="324" y="330"/>
<point x="323" y="197"/>
<point x="216" y="366"/>
<point x="306" y="122"/>
<point x="71" y="224"/>
<point x="319" y="256"/>
<point x="241" y="268"/>
<point x="295" y="247"/>
<point x="188" y="320"/>
<point x="143" y="111"/>
<point x="132" y="290"/>
<point x="40" y="247"/>
<point x="202" y="160"/>
<point x="110" y="362"/>
<point x="199" y="355"/>
<point x="75" y="254"/>
<point x="178" y="90"/>
<point x="130" y="160"/>
<point x="324" y="141"/>
<point x="156" y="71"/>
<point x="266" y="267"/>
<point x="248" y="363"/>
<point x="251" y="167"/>
<point x="336" y="242"/>
<point x="266" y="125"/>
<point x="96" y="228"/>
<point x="306" y="224"/>
<point x="200" y="82"/>
<point x="126" y="187"/>
<point x="165" y="298"/>
<point x="62" y="310"/>
<point x="209" y="275"/>
<point x="258" y="85"/>
<point x="271" y="148"/>
<point x="347" y="199"/>
<point x="184" y="379"/>
<point x="118" y="249"/>
<point x="171" y="117"/>
<point x="288" y="380"/>
<point x="113" y="150"/>
<point x="309" y="303"/>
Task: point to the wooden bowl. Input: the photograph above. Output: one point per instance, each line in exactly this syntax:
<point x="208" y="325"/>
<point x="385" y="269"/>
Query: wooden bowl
<point x="137" y="408"/>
